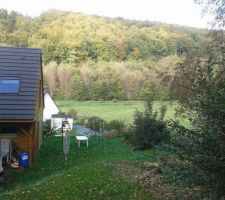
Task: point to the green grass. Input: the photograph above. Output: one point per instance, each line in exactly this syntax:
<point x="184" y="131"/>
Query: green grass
<point x="122" y="110"/>
<point x="107" y="110"/>
<point x="86" y="173"/>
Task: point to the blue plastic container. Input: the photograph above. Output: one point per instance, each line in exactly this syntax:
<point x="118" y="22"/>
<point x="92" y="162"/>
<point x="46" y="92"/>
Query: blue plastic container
<point x="24" y="159"/>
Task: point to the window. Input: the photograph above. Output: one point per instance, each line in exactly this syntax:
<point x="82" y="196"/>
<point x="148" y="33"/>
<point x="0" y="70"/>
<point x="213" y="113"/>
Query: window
<point x="8" y="130"/>
<point x="9" y="85"/>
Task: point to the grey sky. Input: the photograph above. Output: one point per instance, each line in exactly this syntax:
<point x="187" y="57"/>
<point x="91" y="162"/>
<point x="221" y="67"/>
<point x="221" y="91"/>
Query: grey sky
<point x="183" y="12"/>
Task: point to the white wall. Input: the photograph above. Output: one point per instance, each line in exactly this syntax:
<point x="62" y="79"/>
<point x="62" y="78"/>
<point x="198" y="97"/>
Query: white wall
<point x="50" y="107"/>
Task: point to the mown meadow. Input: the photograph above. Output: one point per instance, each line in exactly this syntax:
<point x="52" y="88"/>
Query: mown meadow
<point x="121" y="110"/>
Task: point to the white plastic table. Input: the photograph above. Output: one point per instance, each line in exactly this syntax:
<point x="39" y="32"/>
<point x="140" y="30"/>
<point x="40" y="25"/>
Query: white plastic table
<point x="81" y="138"/>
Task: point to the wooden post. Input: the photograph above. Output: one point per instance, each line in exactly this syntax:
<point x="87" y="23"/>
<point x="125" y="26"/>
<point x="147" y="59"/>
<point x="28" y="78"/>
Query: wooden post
<point x="102" y="131"/>
<point x="30" y="146"/>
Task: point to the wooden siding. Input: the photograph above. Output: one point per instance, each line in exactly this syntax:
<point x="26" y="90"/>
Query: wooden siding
<point x="23" y="140"/>
<point x="38" y="120"/>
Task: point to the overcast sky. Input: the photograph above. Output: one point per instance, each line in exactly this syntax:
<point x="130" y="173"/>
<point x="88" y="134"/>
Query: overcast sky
<point x="183" y="12"/>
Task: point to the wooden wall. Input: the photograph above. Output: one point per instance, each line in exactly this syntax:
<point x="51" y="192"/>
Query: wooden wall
<point x="38" y="121"/>
<point x="23" y="140"/>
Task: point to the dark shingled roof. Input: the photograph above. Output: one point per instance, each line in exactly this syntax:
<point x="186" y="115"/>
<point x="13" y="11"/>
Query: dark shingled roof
<point x="24" y="64"/>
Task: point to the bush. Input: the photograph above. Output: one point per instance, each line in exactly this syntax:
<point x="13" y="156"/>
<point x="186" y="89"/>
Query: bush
<point x="116" y="125"/>
<point x="115" y="100"/>
<point x="110" y="134"/>
<point x="73" y="113"/>
<point x="93" y="122"/>
<point x="47" y="131"/>
<point x="147" y="129"/>
<point x="126" y="133"/>
<point x="46" y="127"/>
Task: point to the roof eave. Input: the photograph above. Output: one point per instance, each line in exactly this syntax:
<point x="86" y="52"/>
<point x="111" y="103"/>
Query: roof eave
<point x="16" y="121"/>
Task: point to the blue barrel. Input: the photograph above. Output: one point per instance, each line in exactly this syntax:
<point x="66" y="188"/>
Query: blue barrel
<point x="24" y="159"/>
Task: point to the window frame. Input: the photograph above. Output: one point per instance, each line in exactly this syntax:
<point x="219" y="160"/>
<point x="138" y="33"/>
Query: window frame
<point x="10" y="79"/>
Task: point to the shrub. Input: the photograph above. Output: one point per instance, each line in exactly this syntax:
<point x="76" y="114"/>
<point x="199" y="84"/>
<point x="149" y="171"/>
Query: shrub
<point x="116" y="125"/>
<point x="115" y="100"/>
<point x="73" y="113"/>
<point x="110" y="134"/>
<point x="93" y="122"/>
<point x="61" y="113"/>
<point x="47" y="131"/>
<point x="126" y="133"/>
<point x="46" y="127"/>
<point x="147" y="129"/>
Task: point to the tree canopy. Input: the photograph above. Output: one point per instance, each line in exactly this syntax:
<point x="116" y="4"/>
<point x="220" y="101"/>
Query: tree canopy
<point x="102" y="58"/>
<point x="73" y="38"/>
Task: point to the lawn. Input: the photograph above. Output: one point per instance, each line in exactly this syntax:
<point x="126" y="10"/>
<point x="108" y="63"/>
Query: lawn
<point x="122" y="110"/>
<point x="86" y="174"/>
<point x="107" y="110"/>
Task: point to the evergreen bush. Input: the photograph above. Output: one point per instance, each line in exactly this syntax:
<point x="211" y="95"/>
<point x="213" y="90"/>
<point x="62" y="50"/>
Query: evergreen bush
<point x="148" y="130"/>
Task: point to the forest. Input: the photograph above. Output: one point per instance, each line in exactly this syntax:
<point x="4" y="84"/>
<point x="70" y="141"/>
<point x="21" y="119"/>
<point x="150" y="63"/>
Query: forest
<point x="100" y="58"/>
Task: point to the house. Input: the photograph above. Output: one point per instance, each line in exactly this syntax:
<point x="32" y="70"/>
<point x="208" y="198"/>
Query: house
<point x="21" y="99"/>
<point x="50" y="107"/>
<point x="57" y="121"/>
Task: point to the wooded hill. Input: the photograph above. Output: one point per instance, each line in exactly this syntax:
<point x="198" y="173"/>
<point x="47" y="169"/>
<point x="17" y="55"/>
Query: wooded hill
<point x="91" y="57"/>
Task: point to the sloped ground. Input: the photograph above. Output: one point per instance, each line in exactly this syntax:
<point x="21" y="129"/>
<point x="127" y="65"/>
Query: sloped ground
<point x="85" y="175"/>
<point x="150" y="175"/>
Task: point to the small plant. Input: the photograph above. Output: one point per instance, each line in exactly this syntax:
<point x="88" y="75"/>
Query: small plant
<point x="93" y="122"/>
<point x="148" y="130"/>
<point x="46" y="127"/>
<point x="110" y="134"/>
<point x="115" y="100"/>
<point x="116" y="125"/>
<point x="61" y="113"/>
<point x="47" y="131"/>
<point x="127" y="134"/>
<point x="73" y="113"/>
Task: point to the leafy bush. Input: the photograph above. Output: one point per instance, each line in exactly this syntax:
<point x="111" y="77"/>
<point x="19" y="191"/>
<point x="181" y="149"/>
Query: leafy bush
<point x="61" y="113"/>
<point x="127" y="134"/>
<point x="46" y="127"/>
<point x="47" y="131"/>
<point x="73" y="113"/>
<point x="204" y="149"/>
<point x="110" y="134"/>
<point x="147" y="129"/>
<point x="115" y="100"/>
<point x="93" y="122"/>
<point x="116" y="125"/>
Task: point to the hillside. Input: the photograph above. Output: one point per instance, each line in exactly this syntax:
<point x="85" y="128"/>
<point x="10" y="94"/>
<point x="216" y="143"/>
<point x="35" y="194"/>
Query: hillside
<point x="72" y="37"/>
<point x="91" y="57"/>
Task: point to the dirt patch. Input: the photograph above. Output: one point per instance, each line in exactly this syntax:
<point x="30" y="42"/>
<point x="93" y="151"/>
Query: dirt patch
<point x="127" y="171"/>
<point x="150" y="176"/>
